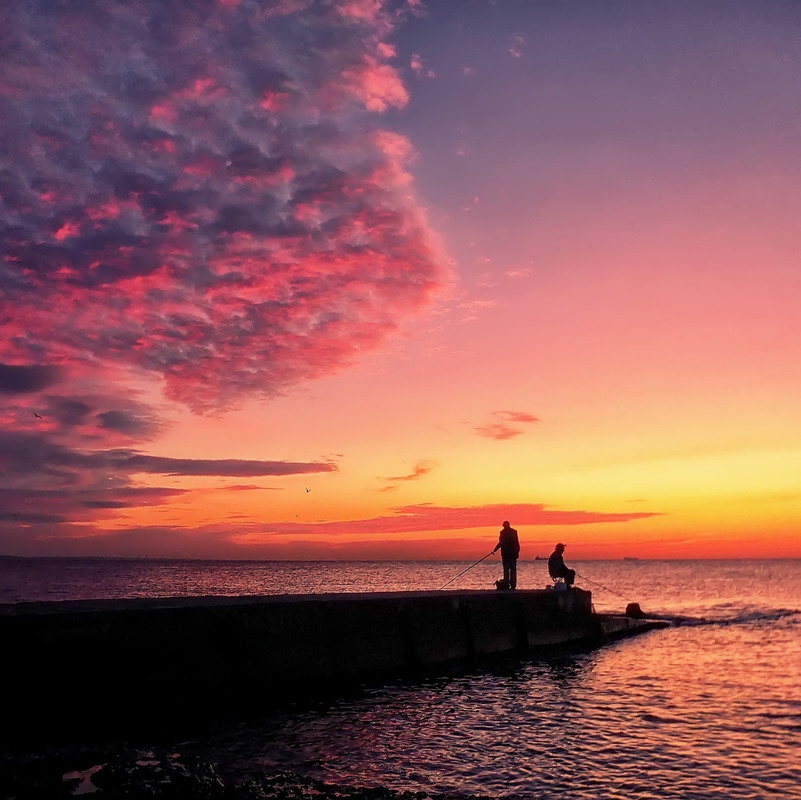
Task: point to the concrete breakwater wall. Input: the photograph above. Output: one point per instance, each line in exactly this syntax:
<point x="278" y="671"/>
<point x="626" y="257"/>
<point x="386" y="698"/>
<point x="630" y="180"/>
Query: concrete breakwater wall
<point x="100" y="661"/>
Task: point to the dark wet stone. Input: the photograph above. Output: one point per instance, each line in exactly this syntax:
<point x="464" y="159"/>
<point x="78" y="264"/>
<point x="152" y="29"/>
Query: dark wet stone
<point x="124" y="773"/>
<point x="115" y="773"/>
<point x="160" y="775"/>
<point x="634" y="611"/>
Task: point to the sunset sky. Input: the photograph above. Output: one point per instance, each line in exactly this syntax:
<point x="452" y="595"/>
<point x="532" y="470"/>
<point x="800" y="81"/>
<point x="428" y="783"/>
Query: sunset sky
<point x="363" y="279"/>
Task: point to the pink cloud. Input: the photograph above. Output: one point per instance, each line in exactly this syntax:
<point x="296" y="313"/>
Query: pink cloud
<point x="364" y="10"/>
<point x="54" y="534"/>
<point x="516" y="416"/>
<point x="420" y="470"/>
<point x="205" y="212"/>
<point x="378" y="86"/>
<point x="428" y="518"/>
<point x="416" y="474"/>
<point x="419" y="68"/>
<point x="506" y="424"/>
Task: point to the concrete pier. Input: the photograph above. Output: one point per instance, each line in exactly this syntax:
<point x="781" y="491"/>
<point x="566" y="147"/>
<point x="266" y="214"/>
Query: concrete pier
<point x="103" y="662"/>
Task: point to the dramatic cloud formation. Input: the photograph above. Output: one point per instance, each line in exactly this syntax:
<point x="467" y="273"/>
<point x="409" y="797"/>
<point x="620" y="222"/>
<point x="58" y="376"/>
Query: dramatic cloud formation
<point x="197" y="190"/>
<point x="197" y="193"/>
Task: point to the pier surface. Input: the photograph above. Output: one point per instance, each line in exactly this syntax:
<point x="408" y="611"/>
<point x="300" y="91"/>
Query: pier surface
<point x="105" y="661"/>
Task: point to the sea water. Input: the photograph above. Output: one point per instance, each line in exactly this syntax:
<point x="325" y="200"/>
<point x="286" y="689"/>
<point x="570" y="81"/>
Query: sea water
<point x="707" y="708"/>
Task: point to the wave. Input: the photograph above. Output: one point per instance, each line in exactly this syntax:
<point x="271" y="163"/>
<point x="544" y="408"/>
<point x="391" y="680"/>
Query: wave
<point x="741" y="617"/>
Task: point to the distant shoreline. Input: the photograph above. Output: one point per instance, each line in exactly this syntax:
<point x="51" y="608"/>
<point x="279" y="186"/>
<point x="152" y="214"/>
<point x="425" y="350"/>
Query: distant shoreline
<point x="183" y="559"/>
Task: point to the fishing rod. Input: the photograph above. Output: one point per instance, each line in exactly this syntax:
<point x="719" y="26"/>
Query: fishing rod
<point x="602" y="586"/>
<point x="469" y="568"/>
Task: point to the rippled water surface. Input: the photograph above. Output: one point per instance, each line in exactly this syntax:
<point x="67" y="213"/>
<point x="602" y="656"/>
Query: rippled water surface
<point x="708" y="708"/>
<point x="697" y="711"/>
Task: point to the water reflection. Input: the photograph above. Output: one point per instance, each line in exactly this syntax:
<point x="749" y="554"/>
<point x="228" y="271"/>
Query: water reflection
<point x="673" y="714"/>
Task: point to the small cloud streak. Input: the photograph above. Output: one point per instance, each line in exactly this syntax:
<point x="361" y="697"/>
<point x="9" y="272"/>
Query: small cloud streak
<point x="230" y="467"/>
<point x="419" y="68"/>
<point x="506" y="424"/>
<point x="28" y="459"/>
<point x="386" y="536"/>
<point x="421" y="470"/>
<point x="429" y="518"/>
<point x="66" y="506"/>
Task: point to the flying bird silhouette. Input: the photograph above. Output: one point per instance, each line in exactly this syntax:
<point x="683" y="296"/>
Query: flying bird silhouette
<point x="38" y="416"/>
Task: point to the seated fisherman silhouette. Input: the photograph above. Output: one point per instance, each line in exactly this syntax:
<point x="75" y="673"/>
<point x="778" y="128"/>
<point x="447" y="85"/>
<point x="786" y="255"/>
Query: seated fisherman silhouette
<point x="557" y="567"/>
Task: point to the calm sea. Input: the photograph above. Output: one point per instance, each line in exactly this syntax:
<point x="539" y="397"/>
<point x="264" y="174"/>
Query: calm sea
<point x="707" y="708"/>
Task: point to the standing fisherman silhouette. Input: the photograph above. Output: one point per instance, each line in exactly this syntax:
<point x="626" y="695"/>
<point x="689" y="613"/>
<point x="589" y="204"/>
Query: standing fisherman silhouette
<point x="557" y="567"/>
<point x="509" y="545"/>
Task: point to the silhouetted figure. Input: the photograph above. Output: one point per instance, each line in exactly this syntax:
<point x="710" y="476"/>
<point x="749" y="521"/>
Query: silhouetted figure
<point x="509" y="545"/>
<point x="557" y="567"/>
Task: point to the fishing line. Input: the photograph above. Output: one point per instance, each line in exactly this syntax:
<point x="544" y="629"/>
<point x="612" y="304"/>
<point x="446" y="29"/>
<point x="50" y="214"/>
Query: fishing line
<point x="602" y="586"/>
<point x="465" y="570"/>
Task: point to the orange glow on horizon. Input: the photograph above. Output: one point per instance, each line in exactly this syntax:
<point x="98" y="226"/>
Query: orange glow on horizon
<point x="337" y="290"/>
